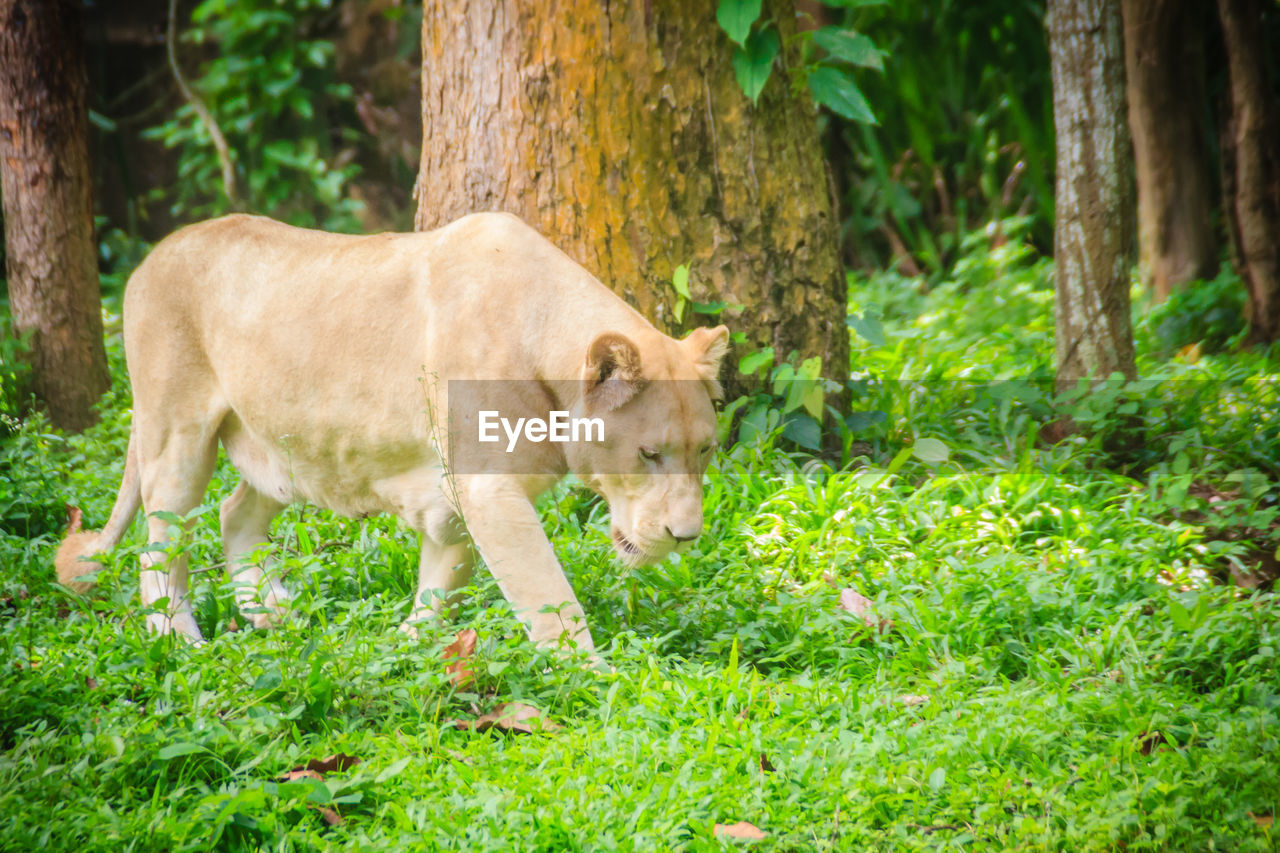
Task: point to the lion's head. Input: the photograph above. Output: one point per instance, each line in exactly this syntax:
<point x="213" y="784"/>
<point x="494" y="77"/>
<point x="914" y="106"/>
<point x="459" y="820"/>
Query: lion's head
<point x="655" y="396"/>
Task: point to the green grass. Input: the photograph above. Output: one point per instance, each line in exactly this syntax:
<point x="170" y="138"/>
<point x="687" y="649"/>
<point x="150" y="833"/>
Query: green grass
<point x="1063" y="670"/>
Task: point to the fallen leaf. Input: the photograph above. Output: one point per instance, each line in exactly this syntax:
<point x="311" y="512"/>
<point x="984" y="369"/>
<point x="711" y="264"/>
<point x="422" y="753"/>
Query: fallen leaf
<point x="232" y="625"/>
<point x="741" y="829"/>
<point x="317" y="767"/>
<point x="75" y="518"/>
<point x="510" y="717"/>
<point x="459" y="652"/>
<point x="766" y="766"/>
<point x="1151" y="741"/>
<point x="1262" y="820"/>
<point x="910" y="699"/>
<point x="90" y="682"/>
<point x="330" y="816"/>
<point x="861" y="607"/>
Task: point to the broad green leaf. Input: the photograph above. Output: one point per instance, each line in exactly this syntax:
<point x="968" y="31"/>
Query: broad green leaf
<point x="736" y="17"/>
<point x="836" y="90"/>
<point x="858" y="421"/>
<point x="849" y="46"/>
<point x="680" y="280"/>
<point x="867" y="326"/>
<point x="1178" y="615"/>
<point x="753" y="62"/>
<point x="754" y="424"/>
<point x="813" y="399"/>
<point x="804" y="431"/>
<point x="938" y="778"/>
<point x="752" y="362"/>
<point x="174" y="750"/>
<point x="678" y="310"/>
<point x="931" y="451"/>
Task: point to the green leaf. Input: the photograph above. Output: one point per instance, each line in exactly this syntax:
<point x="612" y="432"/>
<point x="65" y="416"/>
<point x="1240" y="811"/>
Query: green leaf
<point x="858" y="421"/>
<point x="804" y="431"/>
<point x="680" y="280"/>
<point x="938" y="778"/>
<point x="678" y="309"/>
<point x="753" y="62"/>
<point x="836" y="90"/>
<point x="392" y="771"/>
<point x="899" y="460"/>
<point x="849" y="46"/>
<point x="174" y="750"/>
<point x="1178" y="615"/>
<point x="752" y="362"/>
<point x="867" y="326"/>
<point x="930" y="451"/>
<point x="736" y="17"/>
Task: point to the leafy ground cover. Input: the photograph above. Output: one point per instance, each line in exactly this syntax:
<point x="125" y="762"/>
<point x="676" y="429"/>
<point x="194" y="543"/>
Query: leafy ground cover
<point x="967" y="636"/>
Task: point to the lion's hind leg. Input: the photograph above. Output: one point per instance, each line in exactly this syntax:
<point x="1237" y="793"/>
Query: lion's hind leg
<point x="176" y="463"/>
<point x="246" y="525"/>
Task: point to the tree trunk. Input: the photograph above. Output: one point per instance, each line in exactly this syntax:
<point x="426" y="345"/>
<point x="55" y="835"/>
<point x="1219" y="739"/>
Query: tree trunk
<point x="1164" y="66"/>
<point x="1094" y="233"/>
<point x="619" y="131"/>
<point x="48" y="212"/>
<point x="1251" y="197"/>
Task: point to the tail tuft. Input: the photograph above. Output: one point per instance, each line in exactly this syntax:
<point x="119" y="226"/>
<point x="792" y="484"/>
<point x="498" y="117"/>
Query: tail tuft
<point x="70" y="562"/>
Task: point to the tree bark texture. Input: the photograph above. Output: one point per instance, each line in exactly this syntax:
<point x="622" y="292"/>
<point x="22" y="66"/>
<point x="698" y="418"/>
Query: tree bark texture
<point x="1094" y="232"/>
<point x="1251" y="174"/>
<point x="620" y="132"/>
<point x="1165" y="71"/>
<point x="48" y="211"/>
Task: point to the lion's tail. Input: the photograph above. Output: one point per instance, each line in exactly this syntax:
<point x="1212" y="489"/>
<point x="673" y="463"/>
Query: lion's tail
<point x="72" y="558"/>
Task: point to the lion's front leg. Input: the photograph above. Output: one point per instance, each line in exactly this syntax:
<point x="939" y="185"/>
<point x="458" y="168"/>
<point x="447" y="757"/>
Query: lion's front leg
<point x="442" y="570"/>
<point x="504" y="525"/>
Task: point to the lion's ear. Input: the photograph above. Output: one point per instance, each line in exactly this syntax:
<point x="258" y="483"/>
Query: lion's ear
<point x="707" y="348"/>
<point x="611" y="375"/>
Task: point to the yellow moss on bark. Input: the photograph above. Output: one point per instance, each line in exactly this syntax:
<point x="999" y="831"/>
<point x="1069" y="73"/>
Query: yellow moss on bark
<point x="619" y="131"/>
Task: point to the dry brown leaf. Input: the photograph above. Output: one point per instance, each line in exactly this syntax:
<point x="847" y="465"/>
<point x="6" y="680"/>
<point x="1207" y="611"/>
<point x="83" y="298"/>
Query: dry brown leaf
<point x="232" y="625"/>
<point x="766" y="766"/>
<point x="1262" y="820"/>
<point x="90" y="682"/>
<point x="459" y="653"/>
<point x="510" y="717"/>
<point x="1151" y="741"/>
<point x="320" y="766"/>
<point x="910" y="699"/>
<point x="330" y="816"/>
<point x="862" y="607"/>
<point x="741" y="829"/>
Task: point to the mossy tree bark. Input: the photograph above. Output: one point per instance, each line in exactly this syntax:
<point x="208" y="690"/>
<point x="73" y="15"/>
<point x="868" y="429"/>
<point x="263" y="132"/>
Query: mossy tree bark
<point x="1251" y="167"/>
<point x="48" y="212"/>
<point x="620" y="132"/>
<point x="1165" y="71"/>
<point x="1094" y="231"/>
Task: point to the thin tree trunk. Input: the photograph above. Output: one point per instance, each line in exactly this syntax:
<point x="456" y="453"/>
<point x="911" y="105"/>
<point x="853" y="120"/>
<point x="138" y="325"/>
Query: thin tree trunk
<point x="1164" y="67"/>
<point x="1094" y="232"/>
<point x="1252" y="177"/>
<point x="48" y="212"/>
<point x="619" y="131"/>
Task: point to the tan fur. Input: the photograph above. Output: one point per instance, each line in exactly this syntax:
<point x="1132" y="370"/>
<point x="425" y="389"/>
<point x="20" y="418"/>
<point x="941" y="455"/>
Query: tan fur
<point x="321" y="363"/>
<point x="71" y="560"/>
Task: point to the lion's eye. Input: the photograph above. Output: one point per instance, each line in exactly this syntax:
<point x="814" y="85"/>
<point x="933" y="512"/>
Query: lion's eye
<point x="650" y="454"/>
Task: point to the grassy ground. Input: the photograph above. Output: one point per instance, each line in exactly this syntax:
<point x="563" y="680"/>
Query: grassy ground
<point x="1051" y="663"/>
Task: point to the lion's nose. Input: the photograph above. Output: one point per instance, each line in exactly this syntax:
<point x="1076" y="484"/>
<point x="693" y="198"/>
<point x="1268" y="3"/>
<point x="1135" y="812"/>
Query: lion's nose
<point x="684" y="534"/>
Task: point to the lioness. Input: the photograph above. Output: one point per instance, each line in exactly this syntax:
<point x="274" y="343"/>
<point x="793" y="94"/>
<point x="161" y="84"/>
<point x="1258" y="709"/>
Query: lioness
<point x="322" y="363"/>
